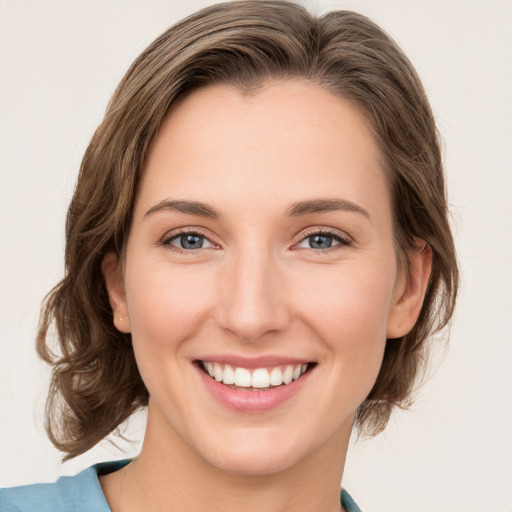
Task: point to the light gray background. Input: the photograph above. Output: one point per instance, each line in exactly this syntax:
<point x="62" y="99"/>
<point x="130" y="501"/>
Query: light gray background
<point x="59" y="64"/>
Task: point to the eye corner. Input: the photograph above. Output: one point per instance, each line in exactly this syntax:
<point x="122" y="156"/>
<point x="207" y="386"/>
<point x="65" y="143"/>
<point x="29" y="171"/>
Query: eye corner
<point x="343" y="240"/>
<point x="166" y="240"/>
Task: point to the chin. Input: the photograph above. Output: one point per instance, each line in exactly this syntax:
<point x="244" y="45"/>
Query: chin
<point x="255" y="462"/>
<point x="258" y="452"/>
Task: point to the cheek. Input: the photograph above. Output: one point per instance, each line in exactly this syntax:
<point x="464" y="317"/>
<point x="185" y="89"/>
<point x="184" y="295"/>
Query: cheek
<point x="348" y="302"/>
<point x="349" y="314"/>
<point x="166" y="306"/>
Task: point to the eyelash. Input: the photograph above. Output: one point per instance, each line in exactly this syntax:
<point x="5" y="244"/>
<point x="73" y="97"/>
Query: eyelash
<point x="166" y="242"/>
<point x="342" y="240"/>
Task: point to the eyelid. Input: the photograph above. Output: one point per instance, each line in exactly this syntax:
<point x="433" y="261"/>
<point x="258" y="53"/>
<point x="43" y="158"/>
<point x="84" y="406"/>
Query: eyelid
<point x="342" y="238"/>
<point x="338" y="235"/>
<point x="176" y="233"/>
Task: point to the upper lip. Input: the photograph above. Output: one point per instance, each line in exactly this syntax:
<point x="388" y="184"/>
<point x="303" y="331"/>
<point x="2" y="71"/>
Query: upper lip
<point x="253" y="362"/>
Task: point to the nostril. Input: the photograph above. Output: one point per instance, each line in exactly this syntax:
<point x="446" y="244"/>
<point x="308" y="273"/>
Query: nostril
<point x="251" y="312"/>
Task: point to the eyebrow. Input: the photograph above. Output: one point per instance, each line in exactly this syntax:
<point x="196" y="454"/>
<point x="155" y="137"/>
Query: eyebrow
<point x="297" y="209"/>
<point x="324" y="205"/>
<point x="190" y="207"/>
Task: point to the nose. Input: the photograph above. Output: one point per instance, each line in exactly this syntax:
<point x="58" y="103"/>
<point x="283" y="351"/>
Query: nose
<point x="252" y="295"/>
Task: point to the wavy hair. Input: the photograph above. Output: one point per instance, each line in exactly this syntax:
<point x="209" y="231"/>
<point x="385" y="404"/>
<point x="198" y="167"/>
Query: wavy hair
<point x="95" y="384"/>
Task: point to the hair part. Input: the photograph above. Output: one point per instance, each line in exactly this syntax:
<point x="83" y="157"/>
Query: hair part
<point x="245" y="44"/>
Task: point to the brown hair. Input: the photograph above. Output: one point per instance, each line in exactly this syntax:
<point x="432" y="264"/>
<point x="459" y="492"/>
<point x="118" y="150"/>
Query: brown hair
<point x="96" y="384"/>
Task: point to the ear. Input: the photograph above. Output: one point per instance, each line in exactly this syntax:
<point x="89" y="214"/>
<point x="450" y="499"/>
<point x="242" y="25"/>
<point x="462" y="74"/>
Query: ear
<point x="410" y="292"/>
<point x="114" y="281"/>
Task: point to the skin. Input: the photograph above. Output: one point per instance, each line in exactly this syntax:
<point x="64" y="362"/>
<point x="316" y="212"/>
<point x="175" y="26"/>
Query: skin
<point x="257" y="287"/>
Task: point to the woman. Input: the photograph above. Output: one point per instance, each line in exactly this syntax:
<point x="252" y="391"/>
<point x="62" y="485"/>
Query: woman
<point x="257" y="250"/>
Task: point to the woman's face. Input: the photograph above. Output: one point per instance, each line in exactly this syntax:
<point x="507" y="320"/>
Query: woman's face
<point x="261" y="250"/>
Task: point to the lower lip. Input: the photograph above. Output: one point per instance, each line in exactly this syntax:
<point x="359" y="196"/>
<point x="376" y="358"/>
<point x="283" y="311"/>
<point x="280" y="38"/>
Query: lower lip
<point x="252" y="401"/>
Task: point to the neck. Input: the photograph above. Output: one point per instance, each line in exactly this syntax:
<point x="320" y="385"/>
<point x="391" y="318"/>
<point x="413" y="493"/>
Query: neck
<point x="170" y="475"/>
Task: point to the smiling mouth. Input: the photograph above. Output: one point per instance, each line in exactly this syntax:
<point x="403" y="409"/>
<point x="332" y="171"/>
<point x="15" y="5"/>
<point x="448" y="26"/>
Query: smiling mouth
<point x="257" y="379"/>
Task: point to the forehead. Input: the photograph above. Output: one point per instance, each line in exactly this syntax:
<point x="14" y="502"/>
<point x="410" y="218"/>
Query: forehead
<point x="290" y="140"/>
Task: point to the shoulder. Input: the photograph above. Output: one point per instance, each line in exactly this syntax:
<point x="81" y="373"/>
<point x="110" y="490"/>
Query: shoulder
<point x="348" y="503"/>
<point x="77" y="493"/>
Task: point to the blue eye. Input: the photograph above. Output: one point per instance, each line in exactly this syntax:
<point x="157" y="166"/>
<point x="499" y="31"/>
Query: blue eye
<point x="187" y="241"/>
<point x="191" y="241"/>
<point x="319" y="241"/>
<point x="322" y="240"/>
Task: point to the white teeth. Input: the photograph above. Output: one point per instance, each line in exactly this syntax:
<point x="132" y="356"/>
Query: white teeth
<point x="217" y="372"/>
<point x="288" y="374"/>
<point x="243" y="378"/>
<point x="259" y="378"/>
<point x="229" y="375"/>
<point x="276" y="377"/>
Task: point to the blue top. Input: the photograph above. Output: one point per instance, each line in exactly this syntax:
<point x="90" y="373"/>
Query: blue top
<point x="81" y="493"/>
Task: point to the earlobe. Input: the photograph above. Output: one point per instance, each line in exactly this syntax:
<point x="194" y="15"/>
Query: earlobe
<point x="114" y="281"/>
<point x="410" y="293"/>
